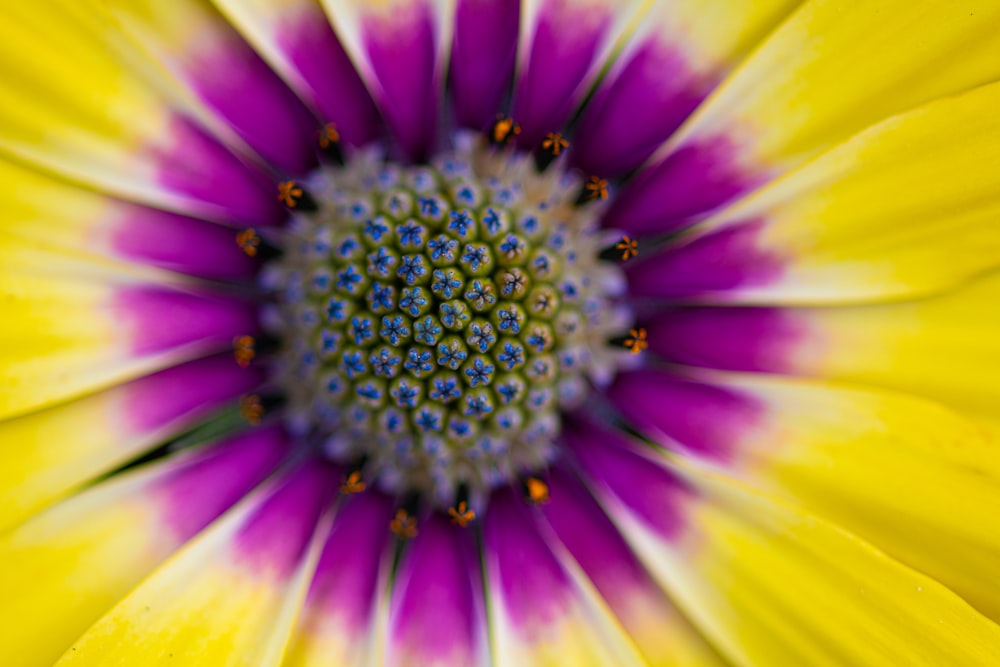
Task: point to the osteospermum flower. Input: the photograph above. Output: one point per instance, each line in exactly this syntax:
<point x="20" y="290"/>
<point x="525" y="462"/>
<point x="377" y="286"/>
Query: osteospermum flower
<point x="564" y="332"/>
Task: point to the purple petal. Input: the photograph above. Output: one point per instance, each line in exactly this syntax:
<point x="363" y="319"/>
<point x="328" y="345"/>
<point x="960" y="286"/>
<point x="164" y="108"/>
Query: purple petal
<point x="697" y="418"/>
<point x="435" y="615"/>
<point x="402" y="52"/>
<point x="334" y="85"/>
<point x="636" y="109"/>
<point x="719" y="262"/>
<point x="563" y="48"/>
<point x="613" y="465"/>
<point x="275" y="537"/>
<point x="536" y="591"/>
<point x="346" y="576"/>
<point x="482" y="58"/>
<point x="233" y="80"/>
<point x="178" y="243"/>
<point x="216" y="478"/>
<point x="185" y="392"/>
<point x="157" y="319"/>
<point x="216" y="183"/>
<point x="671" y="193"/>
<point x="739" y="339"/>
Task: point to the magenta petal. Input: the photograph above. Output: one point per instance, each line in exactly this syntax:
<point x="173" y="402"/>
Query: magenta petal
<point x="159" y="319"/>
<point x="593" y="541"/>
<point x="634" y="111"/>
<point x="232" y="79"/>
<point x="178" y="243"/>
<point x="435" y="614"/>
<point x="535" y="588"/>
<point x="719" y="262"/>
<point x="482" y="59"/>
<point x="561" y="53"/>
<point x="336" y="88"/>
<point x="275" y="537"/>
<point x="348" y="570"/>
<point x="217" y="184"/>
<point x="186" y="391"/>
<point x="405" y="64"/>
<point x="670" y="194"/>
<point x="739" y="339"/>
<point x="698" y="418"/>
<point x="612" y="464"/>
<point x="215" y="479"/>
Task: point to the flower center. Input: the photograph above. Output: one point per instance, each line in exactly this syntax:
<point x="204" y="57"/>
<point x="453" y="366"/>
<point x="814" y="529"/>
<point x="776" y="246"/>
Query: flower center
<point x="435" y="320"/>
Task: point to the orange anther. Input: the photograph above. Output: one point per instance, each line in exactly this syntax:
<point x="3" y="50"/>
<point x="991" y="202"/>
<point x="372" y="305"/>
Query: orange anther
<point x="462" y="515"/>
<point x="289" y="193"/>
<point x="636" y="342"/>
<point x="352" y="483"/>
<point x="328" y="136"/>
<point x="554" y="143"/>
<point x="248" y="241"/>
<point x="403" y="525"/>
<point x="595" y="188"/>
<point x="243" y="350"/>
<point x="629" y="247"/>
<point x="251" y="409"/>
<point x="504" y="128"/>
<point x="538" y="491"/>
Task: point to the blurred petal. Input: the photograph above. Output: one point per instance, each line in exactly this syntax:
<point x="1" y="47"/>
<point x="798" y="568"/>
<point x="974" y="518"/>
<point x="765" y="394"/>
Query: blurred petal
<point x="769" y="584"/>
<point x="49" y="453"/>
<point x="482" y="59"/>
<point x="436" y="615"/>
<point x="44" y="209"/>
<point x="680" y="52"/>
<point x="65" y="337"/>
<point x="563" y="46"/>
<point x="296" y="39"/>
<point x="232" y="595"/>
<point x="829" y="71"/>
<point x="659" y="630"/>
<point x="199" y="47"/>
<point x="64" y="568"/>
<point x="539" y="613"/>
<point x="946" y="348"/>
<point x="80" y="112"/>
<point x="337" y="623"/>
<point x="872" y="219"/>
<point x="400" y="48"/>
<point x="910" y="477"/>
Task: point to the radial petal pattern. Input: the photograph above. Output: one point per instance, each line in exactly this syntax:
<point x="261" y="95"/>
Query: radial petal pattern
<point x="500" y="333"/>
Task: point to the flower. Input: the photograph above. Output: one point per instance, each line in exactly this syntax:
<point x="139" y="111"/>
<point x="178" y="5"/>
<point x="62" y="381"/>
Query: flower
<point x="687" y="357"/>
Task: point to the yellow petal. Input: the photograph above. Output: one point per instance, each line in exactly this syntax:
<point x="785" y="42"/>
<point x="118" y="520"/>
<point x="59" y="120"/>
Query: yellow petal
<point x="64" y="568"/>
<point x="48" y="453"/>
<point x="231" y="596"/>
<point x="543" y="612"/>
<point x="770" y="584"/>
<point x="944" y="347"/>
<point x="834" y="68"/>
<point x="883" y="215"/>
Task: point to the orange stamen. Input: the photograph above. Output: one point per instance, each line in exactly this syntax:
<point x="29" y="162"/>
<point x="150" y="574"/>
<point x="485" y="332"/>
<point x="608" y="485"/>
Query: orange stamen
<point x="352" y="483"/>
<point x="328" y="136"/>
<point x="462" y="515"/>
<point x="636" y="342"/>
<point x="629" y="247"/>
<point x="289" y="193"/>
<point x="555" y="143"/>
<point x="504" y="129"/>
<point x="403" y="525"/>
<point x="243" y="350"/>
<point x="596" y="188"/>
<point x="248" y="241"/>
<point x="538" y="491"/>
<point x="251" y="409"/>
